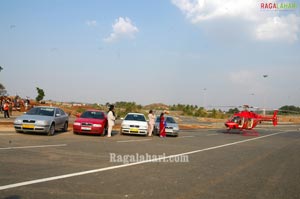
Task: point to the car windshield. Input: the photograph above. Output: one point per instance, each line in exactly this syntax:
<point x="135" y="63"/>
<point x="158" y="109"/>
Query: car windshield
<point x="45" y="111"/>
<point x="135" y="117"/>
<point x="92" y="114"/>
<point x="168" y="120"/>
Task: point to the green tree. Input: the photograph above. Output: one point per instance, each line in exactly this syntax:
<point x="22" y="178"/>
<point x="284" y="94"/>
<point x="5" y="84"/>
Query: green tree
<point x="218" y="114"/>
<point x="2" y="90"/>
<point x="233" y="110"/>
<point x="289" y="109"/>
<point x="123" y="107"/>
<point x="201" y="112"/>
<point x="41" y="94"/>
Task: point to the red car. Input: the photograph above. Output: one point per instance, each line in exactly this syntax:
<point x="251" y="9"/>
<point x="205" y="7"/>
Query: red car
<point x="91" y="122"/>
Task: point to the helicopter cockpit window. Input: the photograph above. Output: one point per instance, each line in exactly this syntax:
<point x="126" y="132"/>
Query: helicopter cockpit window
<point x="236" y="119"/>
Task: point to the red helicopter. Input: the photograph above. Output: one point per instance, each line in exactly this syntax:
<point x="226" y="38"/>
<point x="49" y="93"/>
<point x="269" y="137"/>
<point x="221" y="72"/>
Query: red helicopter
<point x="247" y="120"/>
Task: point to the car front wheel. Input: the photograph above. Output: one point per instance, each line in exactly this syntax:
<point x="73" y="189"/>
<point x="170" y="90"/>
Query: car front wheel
<point x="51" y="130"/>
<point x="104" y="131"/>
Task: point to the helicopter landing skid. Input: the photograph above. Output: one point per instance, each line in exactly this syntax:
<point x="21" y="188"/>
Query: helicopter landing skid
<point x="233" y="131"/>
<point x="250" y="132"/>
<point x="245" y="132"/>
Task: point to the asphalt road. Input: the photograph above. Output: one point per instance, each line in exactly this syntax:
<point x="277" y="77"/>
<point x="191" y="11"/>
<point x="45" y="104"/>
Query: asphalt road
<point x="213" y="165"/>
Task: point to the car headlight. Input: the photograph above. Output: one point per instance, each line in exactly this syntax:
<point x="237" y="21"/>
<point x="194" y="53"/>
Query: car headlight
<point x="125" y="126"/>
<point x="77" y="124"/>
<point x="41" y="122"/>
<point x="144" y="127"/>
<point x="176" y="128"/>
<point x="97" y="125"/>
<point x="17" y="121"/>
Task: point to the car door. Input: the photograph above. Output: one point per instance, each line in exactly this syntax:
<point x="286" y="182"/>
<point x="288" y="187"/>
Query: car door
<point x="58" y="117"/>
<point x="64" y="116"/>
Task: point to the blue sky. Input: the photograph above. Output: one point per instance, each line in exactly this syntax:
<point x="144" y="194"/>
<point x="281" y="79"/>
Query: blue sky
<point x="173" y="51"/>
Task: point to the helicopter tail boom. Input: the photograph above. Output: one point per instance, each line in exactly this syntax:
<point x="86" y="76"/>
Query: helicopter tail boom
<point x="274" y="118"/>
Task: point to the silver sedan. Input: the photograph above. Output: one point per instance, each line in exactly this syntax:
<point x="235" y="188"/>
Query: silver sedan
<point x="172" y="127"/>
<point x="42" y="119"/>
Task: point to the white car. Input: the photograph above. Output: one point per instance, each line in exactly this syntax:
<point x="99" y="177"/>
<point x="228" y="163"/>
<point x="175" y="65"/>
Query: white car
<point x="134" y="123"/>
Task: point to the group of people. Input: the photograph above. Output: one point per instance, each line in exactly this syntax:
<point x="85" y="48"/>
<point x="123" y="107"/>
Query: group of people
<point x="8" y="104"/>
<point x="6" y="107"/>
<point x="162" y="124"/>
<point x="111" y="117"/>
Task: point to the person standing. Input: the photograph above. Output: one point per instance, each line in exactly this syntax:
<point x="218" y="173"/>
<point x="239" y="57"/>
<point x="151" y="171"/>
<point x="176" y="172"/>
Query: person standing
<point x="110" y="119"/>
<point x="27" y="103"/>
<point x="6" y="109"/>
<point x="151" y="118"/>
<point x="10" y="107"/>
<point x="2" y="104"/>
<point x="162" y="127"/>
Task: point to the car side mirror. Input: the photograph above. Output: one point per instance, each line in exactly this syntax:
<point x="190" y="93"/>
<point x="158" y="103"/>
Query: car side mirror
<point x="77" y="115"/>
<point x="122" y="118"/>
<point x="57" y="115"/>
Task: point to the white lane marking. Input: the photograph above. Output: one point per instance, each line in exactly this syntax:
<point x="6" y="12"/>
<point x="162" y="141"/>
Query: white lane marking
<point x="29" y="147"/>
<point x="212" y="134"/>
<point x="10" y="186"/>
<point x="187" y="136"/>
<point x="7" y="134"/>
<point x="142" y="140"/>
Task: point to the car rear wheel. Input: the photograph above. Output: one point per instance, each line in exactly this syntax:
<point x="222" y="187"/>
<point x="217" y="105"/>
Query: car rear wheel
<point x="155" y="132"/>
<point x="65" y="128"/>
<point x="51" y="130"/>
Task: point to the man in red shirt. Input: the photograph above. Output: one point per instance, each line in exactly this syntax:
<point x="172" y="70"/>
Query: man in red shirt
<point x="5" y="109"/>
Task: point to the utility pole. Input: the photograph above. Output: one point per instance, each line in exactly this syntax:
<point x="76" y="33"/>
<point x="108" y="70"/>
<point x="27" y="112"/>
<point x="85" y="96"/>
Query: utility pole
<point x="204" y="92"/>
<point x="265" y="98"/>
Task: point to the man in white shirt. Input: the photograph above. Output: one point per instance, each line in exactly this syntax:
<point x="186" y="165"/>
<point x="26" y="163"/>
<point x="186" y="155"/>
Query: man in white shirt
<point x="151" y="118"/>
<point x="110" y="120"/>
